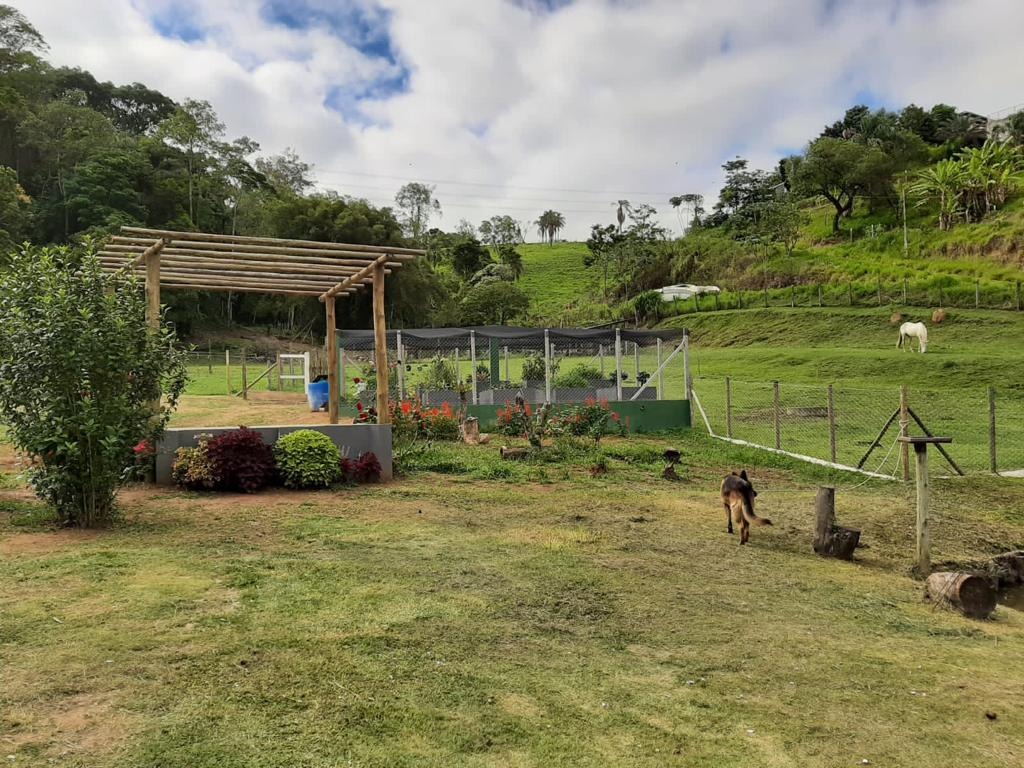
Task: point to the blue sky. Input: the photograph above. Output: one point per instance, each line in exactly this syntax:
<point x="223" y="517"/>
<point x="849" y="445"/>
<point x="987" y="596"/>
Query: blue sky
<point x="513" y="106"/>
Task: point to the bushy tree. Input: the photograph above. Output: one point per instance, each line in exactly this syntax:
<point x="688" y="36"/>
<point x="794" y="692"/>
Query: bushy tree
<point x="15" y="212"/>
<point x="81" y="376"/>
<point x="418" y="205"/>
<point x="493" y="303"/>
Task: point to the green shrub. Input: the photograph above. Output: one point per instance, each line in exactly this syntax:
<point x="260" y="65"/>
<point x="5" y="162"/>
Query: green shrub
<point x="81" y="377"/>
<point x="307" y="459"/>
<point x="579" y="377"/>
<point x="533" y="367"/>
<point x="241" y="461"/>
<point x="193" y="469"/>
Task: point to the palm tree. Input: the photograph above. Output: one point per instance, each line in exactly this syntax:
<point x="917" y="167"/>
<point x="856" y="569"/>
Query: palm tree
<point x="692" y="202"/>
<point x="964" y="130"/>
<point x="549" y="224"/>
<point x="620" y="214"/>
<point x="943" y="182"/>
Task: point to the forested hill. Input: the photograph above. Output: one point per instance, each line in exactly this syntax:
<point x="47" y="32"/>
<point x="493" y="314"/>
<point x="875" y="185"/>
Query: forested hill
<point x="80" y="158"/>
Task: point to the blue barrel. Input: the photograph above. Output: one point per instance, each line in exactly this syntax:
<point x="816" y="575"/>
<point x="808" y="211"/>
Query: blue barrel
<point x="318" y="393"/>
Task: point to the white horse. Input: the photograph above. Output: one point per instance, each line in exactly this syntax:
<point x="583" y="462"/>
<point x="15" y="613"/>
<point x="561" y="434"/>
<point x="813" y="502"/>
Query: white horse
<point x="910" y="331"/>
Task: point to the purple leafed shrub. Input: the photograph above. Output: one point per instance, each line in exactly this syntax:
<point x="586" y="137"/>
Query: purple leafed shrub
<point x="241" y="461"/>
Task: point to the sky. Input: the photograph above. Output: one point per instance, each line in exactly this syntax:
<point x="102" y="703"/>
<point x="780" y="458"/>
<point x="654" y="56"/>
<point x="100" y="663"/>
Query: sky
<point x="517" y="106"/>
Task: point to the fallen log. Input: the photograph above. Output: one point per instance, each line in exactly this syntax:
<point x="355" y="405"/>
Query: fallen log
<point x="514" y="453"/>
<point x="831" y="540"/>
<point x="971" y="595"/>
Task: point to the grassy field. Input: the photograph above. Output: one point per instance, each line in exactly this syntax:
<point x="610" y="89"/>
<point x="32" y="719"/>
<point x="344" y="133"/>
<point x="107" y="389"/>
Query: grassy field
<point x="555" y="278"/>
<point x="483" y="613"/>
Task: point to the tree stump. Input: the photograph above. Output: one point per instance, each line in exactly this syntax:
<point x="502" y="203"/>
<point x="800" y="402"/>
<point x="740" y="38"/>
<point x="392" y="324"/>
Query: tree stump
<point x="831" y="540"/>
<point x="514" y="453"/>
<point x="971" y="595"/>
<point x="471" y="430"/>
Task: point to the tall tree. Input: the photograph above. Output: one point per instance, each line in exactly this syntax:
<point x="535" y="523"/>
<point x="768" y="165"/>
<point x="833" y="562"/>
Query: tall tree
<point x="417" y="204"/>
<point x="287" y="172"/>
<point x="549" y="224"/>
<point x="691" y="202"/>
<point x="15" y="212"/>
<point x="621" y="211"/>
<point x="20" y="42"/>
<point x="195" y="130"/>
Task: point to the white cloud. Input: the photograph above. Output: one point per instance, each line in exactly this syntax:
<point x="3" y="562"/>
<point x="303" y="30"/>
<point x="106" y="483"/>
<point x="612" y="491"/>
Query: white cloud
<point x="634" y="99"/>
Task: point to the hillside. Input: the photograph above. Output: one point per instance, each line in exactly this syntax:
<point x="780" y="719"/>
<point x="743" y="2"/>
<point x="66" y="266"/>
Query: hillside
<point x="555" y="278"/>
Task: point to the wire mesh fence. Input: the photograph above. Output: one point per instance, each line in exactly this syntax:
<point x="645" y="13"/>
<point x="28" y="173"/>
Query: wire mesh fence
<point x="858" y="426"/>
<point x="492" y="366"/>
<point x="235" y="371"/>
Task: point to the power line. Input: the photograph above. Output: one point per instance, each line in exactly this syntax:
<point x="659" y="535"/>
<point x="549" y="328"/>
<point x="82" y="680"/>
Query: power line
<point x="485" y="184"/>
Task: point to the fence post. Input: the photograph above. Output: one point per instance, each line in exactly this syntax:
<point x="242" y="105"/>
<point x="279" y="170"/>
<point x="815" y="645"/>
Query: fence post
<point x="618" y="363"/>
<point x="400" y="354"/>
<point x="661" y="373"/>
<point x="832" y="423"/>
<point x="687" y="379"/>
<point x="341" y="372"/>
<point x="941" y="298"/>
<point x="245" y="377"/>
<point x="904" y="432"/>
<point x="508" y="374"/>
<point x="879" y="291"/>
<point x="766" y="296"/>
<point x="993" y="464"/>
<point x="600" y="356"/>
<point x="977" y="294"/>
<point x="227" y="367"/>
<point x="696" y="302"/>
<point x="819" y="294"/>
<point x="728" y="407"/>
<point x="778" y="415"/>
<point x="472" y="361"/>
<point x="792" y="295"/>
<point x="923" y="543"/>
<point x="904" y="291"/>
<point x="280" y="383"/>
<point x="716" y="301"/>
<point x="209" y="357"/>
<point x="849" y="293"/>
<point x="1017" y="295"/>
<point x="740" y="293"/>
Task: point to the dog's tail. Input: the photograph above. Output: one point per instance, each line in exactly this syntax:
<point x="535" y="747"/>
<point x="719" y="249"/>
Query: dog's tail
<point x="750" y="516"/>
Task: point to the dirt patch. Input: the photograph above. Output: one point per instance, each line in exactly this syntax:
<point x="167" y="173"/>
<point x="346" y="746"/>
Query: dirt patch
<point x="34" y="543"/>
<point x="519" y="705"/>
<point x="262" y="408"/>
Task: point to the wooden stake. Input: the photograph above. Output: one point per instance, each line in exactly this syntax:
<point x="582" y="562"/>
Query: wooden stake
<point x="334" y="393"/>
<point x="904" y="432"/>
<point x="245" y="377"/>
<point x="923" y="542"/>
<point x="728" y="407"/>
<point x="227" y="368"/>
<point x="380" y="335"/>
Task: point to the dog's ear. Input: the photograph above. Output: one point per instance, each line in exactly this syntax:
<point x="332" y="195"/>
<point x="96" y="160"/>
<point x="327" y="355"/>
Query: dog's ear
<point x="753" y="492"/>
<point x="743" y="474"/>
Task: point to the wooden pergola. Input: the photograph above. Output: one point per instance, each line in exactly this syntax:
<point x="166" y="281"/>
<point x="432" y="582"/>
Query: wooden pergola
<point x="198" y="261"/>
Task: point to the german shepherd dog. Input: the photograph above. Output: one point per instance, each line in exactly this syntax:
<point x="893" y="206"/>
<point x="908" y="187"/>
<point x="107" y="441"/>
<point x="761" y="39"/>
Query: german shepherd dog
<point x="738" y="499"/>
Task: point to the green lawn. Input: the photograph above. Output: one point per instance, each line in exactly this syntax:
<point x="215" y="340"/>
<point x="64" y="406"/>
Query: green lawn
<point x="482" y="613"/>
<point x="555" y="279"/>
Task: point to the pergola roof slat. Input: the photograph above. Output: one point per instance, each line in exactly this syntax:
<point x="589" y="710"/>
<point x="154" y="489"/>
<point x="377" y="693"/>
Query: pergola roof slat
<point x="271" y="241"/>
<point x="331" y="274"/>
<point x="232" y="250"/>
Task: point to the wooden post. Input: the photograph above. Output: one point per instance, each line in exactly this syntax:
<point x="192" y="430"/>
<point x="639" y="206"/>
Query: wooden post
<point x="227" y="367"/>
<point x="924" y="542"/>
<point x="777" y="415"/>
<point x="245" y="375"/>
<point x="696" y="302"/>
<point x="400" y="351"/>
<point x="1017" y="294"/>
<point x="716" y="301"/>
<point x="993" y="464"/>
<point x="766" y="295"/>
<point x="792" y="296"/>
<point x="661" y="373"/>
<point x="508" y="374"/>
<point x="600" y="357"/>
<point x="739" y="295"/>
<point x="334" y="390"/>
<point x="819" y="294"/>
<point x="209" y="357"/>
<point x="879" y="291"/>
<point x="728" y="407"/>
<point x="832" y="423"/>
<point x="904" y="291"/>
<point x="941" y="297"/>
<point x="380" y="344"/>
<point x="904" y="432"/>
<point x="849" y="293"/>
<point x="636" y="363"/>
<point x="977" y="293"/>
<point x="152" y="258"/>
<point x="831" y="540"/>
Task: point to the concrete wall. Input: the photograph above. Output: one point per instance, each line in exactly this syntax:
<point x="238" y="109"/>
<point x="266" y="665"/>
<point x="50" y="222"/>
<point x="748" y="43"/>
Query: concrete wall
<point x="356" y="438"/>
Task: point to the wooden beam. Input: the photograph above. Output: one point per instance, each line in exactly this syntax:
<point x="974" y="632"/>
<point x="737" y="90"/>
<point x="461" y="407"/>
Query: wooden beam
<point x="268" y="279"/>
<point x="358" y="262"/>
<point x="380" y="337"/>
<point x="152" y="261"/>
<point x="268" y="285"/>
<point x="358" y="277"/>
<point x="169" y="255"/>
<point x="229" y="248"/>
<point x="334" y="390"/>
<point x="175" y="286"/>
<point x="152" y="250"/>
<point x="329" y="276"/>
<point x="274" y="241"/>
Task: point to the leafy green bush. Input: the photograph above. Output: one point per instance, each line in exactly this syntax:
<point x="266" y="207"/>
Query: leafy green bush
<point x="579" y="377"/>
<point x="533" y="367"/>
<point x="81" y="377"/>
<point x="440" y="373"/>
<point x="307" y="459"/>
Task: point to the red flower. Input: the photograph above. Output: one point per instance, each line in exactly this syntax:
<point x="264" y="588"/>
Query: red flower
<point x="406" y="407"/>
<point x="142" y="447"/>
<point x="359" y="406"/>
<point x="615" y="417"/>
<point x="357" y="380"/>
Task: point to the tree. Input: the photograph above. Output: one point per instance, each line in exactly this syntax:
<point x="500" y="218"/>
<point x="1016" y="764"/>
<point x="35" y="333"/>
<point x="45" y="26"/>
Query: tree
<point x="19" y="40"/>
<point x="941" y="183"/>
<point x="1015" y="127"/>
<point x="195" y="130"/>
<point x="621" y="211"/>
<point x="963" y="130"/>
<point x="80" y="370"/>
<point x="468" y="256"/>
<point x="510" y="257"/>
<point x="417" y="204"/>
<point x="839" y="171"/>
<point x="493" y="303"/>
<point x="104" y="191"/>
<point x="692" y="202"/>
<point x="500" y="230"/>
<point x="549" y="224"/>
<point x="287" y="172"/>
<point x="65" y="135"/>
<point x="492" y="273"/>
<point x="15" y="212"/>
